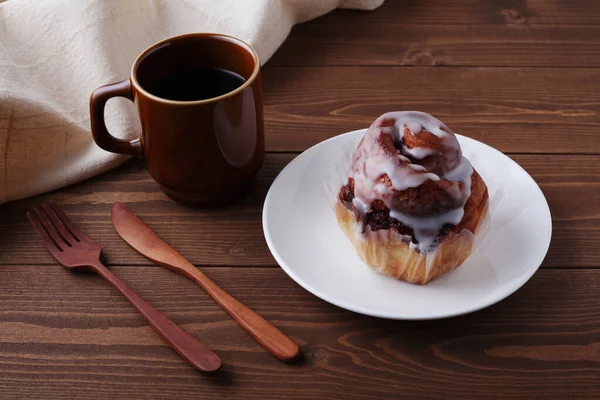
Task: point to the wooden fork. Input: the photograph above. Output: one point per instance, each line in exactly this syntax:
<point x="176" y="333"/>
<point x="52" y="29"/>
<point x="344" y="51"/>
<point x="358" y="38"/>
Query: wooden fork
<point x="74" y="250"/>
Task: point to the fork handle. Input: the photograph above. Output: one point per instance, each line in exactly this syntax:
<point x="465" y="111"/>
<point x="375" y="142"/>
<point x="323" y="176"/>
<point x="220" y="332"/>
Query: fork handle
<point x="194" y="352"/>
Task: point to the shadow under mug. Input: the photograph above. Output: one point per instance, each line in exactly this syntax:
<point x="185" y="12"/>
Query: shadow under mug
<point x="202" y="152"/>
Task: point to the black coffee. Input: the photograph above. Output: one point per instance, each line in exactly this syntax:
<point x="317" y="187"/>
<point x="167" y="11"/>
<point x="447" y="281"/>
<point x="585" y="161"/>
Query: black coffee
<point x="197" y="84"/>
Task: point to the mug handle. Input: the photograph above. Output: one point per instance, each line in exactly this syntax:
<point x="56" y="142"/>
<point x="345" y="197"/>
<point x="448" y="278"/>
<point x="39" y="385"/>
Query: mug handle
<point x="101" y="135"/>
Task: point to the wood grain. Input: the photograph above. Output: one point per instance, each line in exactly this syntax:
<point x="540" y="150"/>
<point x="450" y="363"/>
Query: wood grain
<point x="233" y="235"/>
<point x="401" y="43"/>
<point x="470" y="12"/>
<point x="73" y="336"/>
<point x="523" y="110"/>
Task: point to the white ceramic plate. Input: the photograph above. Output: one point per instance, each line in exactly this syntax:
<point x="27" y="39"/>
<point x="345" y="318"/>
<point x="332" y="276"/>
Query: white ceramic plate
<point x="303" y="235"/>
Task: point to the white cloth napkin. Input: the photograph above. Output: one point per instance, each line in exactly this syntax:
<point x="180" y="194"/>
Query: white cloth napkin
<point x="54" y="53"/>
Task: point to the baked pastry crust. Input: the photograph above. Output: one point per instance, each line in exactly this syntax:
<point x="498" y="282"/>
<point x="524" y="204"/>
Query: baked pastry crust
<point x="392" y="250"/>
<point x="390" y="253"/>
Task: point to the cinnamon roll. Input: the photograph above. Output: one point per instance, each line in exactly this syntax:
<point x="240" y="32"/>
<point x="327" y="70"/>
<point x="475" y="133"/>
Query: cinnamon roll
<point x="412" y="203"/>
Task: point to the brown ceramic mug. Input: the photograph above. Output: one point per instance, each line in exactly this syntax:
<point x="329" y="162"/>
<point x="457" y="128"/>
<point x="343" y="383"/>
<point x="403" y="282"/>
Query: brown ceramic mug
<point x="202" y="152"/>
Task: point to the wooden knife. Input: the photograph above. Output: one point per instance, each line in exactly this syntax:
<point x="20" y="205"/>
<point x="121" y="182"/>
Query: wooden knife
<point x="139" y="236"/>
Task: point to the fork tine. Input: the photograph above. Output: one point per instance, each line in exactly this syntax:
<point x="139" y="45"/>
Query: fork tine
<point x="54" y="248"/>
<point x="64" y="233"/>
<point x="77" y="234"/>
<point x="50" y="229"/>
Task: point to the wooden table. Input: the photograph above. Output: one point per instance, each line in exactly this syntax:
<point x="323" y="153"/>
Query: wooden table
<point x="521" y="76"/>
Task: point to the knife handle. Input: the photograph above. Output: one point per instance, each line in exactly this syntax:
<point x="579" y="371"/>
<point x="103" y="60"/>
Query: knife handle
<point x="265" y="333"/>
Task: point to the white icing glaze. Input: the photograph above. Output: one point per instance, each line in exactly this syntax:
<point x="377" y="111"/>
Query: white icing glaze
<point x="419" y="153"/>
<point x="426" y="229"/>
<point x="371" y="161"/>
